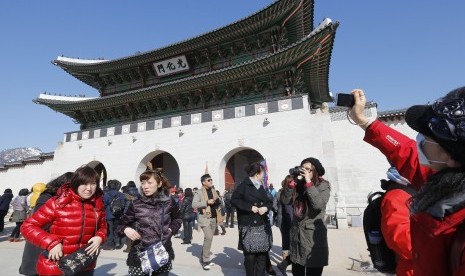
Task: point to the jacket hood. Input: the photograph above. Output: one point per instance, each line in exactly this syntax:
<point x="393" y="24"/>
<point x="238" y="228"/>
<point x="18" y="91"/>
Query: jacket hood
<point x="65" y="195"/>
<point x="38" y="188"/>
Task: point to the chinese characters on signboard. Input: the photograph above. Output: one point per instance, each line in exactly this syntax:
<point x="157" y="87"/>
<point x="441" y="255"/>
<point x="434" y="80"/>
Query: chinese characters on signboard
<point x="171" y="66"/>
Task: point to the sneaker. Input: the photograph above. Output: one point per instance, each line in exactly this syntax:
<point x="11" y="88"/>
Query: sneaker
<point x="206" y="266"/>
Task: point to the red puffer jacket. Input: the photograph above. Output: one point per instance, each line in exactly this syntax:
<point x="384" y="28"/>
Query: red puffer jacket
<point x="431" y="238"/>
<point x="395" y="226"/>
<point x="73" y="221"/>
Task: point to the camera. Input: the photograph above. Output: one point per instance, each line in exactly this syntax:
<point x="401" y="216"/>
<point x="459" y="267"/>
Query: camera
<point x="295" y="172"/>
<point x="345" y="100"/>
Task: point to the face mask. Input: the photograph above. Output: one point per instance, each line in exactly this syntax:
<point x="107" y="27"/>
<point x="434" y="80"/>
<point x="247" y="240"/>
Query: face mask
<point x="421" y="141"/>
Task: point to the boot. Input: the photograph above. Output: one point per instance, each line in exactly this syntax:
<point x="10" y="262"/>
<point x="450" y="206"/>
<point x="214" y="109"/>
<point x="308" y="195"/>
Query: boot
<point x="223" y="229"/>
<point x="216" y="232"/>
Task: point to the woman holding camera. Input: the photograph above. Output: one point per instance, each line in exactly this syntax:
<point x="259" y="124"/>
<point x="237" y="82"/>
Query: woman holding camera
<point x="435" y="165"/>
<point x="309" y="193"/>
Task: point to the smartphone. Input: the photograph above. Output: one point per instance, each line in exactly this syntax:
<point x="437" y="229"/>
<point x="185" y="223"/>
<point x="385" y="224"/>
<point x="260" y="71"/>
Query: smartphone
<point x="346" y="100"/>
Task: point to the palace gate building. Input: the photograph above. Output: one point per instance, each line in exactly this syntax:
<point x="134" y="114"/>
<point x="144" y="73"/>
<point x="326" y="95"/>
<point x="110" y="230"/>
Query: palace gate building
<point x="252" y="90"/>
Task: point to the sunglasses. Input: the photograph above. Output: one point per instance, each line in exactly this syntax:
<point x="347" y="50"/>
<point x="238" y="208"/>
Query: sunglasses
<point x="209" y="180"/>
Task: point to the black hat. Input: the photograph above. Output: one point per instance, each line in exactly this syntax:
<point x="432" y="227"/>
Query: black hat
<point x="316" y="163"/>
<point x="443" y="121"/>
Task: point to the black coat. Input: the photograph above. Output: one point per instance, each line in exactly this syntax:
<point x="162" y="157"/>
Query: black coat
<point x="244" y="197"/>
<point x="187" y="212"/>
<point x="31" y="252"/>
<point x="144" y="215"/>
<point x="5" y="201"/>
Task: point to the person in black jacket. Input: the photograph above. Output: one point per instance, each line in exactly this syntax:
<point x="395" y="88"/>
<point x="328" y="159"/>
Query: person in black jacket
<point x="252" y="204"/>
<point x="187" y="214"/>
<point x="5" y="201"/>
<point x="31" y="253"/>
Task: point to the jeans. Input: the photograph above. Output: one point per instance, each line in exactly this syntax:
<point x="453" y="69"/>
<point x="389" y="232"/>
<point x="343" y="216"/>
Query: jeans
<point x="300" y="270"/>
<point x="207" y="239"/>
<point x="255" y="264"/>
<point x="230" y="215"/>
<point x="187" y="225"/>
<point x="16" y="232"/>
<point x="112" y="238"/>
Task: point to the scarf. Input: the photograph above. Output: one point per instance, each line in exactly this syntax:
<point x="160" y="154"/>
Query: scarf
<point x="205" y="198"/>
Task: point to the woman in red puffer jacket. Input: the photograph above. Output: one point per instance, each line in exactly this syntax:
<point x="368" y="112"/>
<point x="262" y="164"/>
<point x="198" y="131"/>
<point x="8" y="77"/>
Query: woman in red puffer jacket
<point x="76" y="216"/>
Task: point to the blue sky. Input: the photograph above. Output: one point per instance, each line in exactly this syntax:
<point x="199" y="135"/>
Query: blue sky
<point x="400" y="52"/>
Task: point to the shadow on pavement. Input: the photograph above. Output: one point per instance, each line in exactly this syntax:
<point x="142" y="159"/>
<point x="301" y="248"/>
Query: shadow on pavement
<point x="105" y="269"/>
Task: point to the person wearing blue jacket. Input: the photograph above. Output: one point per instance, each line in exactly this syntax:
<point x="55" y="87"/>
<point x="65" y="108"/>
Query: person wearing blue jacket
<point x="113" y="193"/>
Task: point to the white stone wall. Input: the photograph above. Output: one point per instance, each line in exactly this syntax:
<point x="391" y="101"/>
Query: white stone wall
<point x="26" y="176"/>
<point x="353" y="167"/>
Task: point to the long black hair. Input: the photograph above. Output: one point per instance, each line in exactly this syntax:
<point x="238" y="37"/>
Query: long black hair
<point x="53" y="186"/>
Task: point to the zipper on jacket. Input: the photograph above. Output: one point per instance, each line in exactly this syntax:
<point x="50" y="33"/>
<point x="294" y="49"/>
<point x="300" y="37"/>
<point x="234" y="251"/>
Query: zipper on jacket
<point x="83" y="224"/>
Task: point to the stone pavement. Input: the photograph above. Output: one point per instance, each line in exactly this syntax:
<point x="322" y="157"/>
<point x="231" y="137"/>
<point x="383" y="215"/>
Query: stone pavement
<point x="348" y="255"/>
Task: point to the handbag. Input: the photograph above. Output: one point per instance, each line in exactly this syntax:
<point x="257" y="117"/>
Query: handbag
<point x="256" y="239"/>
<point x="76" y="261"/>
<point x="155" y="256"/>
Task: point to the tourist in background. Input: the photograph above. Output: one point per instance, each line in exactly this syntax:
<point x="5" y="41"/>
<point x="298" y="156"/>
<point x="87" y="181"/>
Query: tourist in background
<point x="5" y="201"/>
<point x="31" y="252"/>
<point x="309" y="194"/>
<point x="435" y="165"/>
<point x="113" y="212"/>
<point x="131" y="193"/>
<point x="220" y="217"/>
<point x="284" y="215"/>
<point x="229" y="208"/>
<point x="76" y="206"/>
<point x="187" y="214"/>
<point x="36" y="190"/>
<point x="20" y="209"/>
<point x="253" y="204"/>
<point x="207" y="203"/>
<point x="152" y="216"/>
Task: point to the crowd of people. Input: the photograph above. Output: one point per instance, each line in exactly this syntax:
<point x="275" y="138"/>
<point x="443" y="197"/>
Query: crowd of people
<point x="421" y="213"/>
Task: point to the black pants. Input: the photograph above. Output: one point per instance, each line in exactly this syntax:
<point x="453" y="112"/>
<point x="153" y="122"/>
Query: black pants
<point x="187" y="225"/>
<point x="230" y="214"/>
<point x="255" y="264"/>
<point x="2" y="219"/>
<point x="16" y="232"/>
<point x="300" y="270"/>
<point x="113" y="238"/>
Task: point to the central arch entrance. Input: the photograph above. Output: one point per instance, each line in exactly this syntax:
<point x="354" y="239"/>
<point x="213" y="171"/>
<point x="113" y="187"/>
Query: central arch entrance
<point x="235" y="163"/>
<point x="101" y="170"/>
<point x="164" y="160"/>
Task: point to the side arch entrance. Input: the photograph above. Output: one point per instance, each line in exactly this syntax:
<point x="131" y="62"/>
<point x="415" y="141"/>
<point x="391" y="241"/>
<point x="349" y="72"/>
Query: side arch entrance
<point x="233" y="164"/>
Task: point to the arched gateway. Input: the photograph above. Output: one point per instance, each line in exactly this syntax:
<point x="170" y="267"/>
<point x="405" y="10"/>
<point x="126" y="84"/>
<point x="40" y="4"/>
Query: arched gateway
<point x="234" y="163"/>
<point x="160" y="159"/>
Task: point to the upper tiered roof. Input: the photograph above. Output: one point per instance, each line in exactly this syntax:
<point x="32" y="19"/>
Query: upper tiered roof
<point x="272" y="54"/>
<point x="296" y="16"/>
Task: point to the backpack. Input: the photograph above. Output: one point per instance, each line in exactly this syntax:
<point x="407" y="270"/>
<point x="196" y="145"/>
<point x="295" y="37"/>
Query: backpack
<point x="382" y="257"/>
<point x="117" y="206"/>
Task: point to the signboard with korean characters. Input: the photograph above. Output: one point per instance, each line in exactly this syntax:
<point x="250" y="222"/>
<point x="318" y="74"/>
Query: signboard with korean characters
<point x="171" y="66"/>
